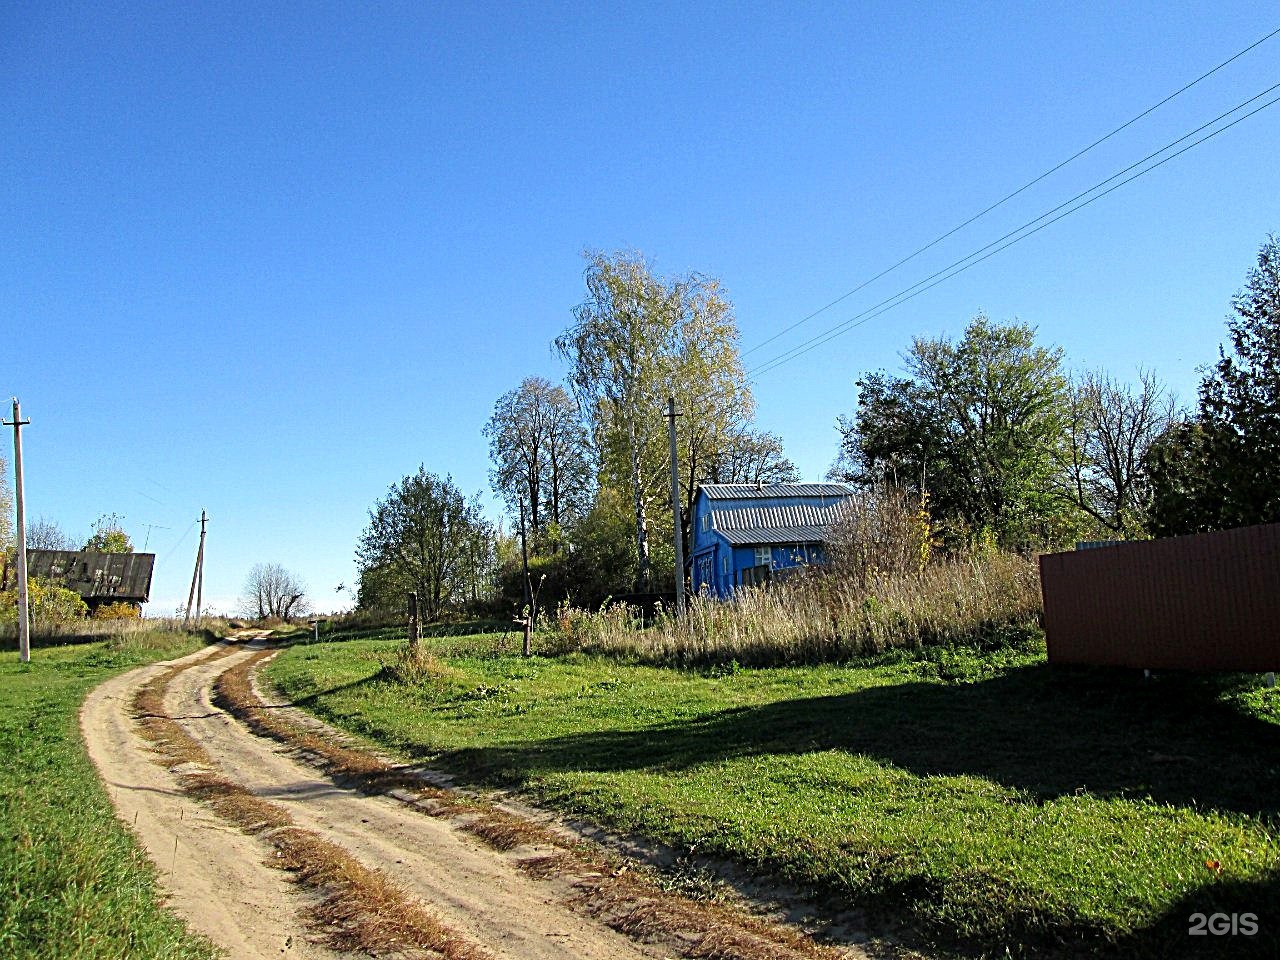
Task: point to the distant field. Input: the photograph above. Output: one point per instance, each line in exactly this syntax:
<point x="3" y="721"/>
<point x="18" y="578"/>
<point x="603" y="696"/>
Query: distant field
<point x="74" y="884"/>
<point x="982" y="801"/>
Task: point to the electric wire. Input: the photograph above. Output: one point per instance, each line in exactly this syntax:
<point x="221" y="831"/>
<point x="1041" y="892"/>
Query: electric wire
<point x="907" y="294"/>
<point x="1026" y="186"/>
<point x="168" y="553"/>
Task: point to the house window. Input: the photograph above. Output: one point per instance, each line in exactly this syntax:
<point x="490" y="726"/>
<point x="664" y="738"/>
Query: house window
<point x="706" y="522"/>
<point x="764" y="556"/>
<point x="724" y="566"/>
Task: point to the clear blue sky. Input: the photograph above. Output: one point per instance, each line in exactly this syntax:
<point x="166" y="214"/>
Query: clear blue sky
<point x="266" y="258"/>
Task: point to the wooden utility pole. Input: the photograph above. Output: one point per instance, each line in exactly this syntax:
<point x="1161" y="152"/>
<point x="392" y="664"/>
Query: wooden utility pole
<point x="196" y="592"/>
<point x="675" y="504"/>
<point x="200" y="570"/>
<point x="20" y="546"/>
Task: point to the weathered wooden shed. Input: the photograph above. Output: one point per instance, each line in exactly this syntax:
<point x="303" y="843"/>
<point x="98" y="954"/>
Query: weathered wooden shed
<point x="99" y="578"/>
<point x="744" y="534"/>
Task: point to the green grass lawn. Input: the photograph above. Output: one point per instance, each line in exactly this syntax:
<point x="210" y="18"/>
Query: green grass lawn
<point x="984" y="801"/>
<point x="73" y="884"/>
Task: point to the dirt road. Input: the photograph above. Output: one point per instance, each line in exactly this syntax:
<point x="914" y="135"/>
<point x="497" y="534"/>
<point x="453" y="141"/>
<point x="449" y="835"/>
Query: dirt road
<point x="219" y="876"/>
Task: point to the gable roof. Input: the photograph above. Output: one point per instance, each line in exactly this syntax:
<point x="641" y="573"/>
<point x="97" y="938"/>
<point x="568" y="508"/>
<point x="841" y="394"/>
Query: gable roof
<point x="795" y="523"/>
<point x="751" y="491"/>
<point x="115" y="576"/>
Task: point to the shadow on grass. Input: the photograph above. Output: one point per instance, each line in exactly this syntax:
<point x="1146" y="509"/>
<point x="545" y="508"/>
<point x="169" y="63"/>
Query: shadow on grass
<point x="1047" y="731"/>
<point x="1251" y="903"/>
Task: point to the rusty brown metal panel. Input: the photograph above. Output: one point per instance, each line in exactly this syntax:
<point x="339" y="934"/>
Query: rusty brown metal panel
<point x="1205" y="602"/>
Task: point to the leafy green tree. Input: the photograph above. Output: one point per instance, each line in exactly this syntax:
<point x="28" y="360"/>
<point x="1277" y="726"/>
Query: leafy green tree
<point x="978" y="425"/>
<point x="425" y="534"/>
<point x="382" y="590"/>
<point x="714" y="437"/>
<point x="6" y="509"/>
<point x="599" y="565"/>
<point x="1187" y="487"/>
<point x="1240" y="400"/>
<point x="109" y="536"/>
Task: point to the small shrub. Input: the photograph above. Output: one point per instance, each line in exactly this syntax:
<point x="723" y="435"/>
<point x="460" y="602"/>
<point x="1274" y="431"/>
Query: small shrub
<point x="117" y="611"/>
<point x="415" y="668"/>
<point x="50" y="604"/>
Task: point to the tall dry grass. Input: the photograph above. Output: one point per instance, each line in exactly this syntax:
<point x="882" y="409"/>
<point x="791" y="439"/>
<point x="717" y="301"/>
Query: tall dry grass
<point x="825" y="616"/>
<point x="133" y="633"/>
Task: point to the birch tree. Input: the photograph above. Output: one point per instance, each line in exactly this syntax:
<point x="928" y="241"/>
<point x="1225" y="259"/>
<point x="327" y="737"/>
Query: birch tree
<point x="638" y="339"/>
<point x="621" y="348"/>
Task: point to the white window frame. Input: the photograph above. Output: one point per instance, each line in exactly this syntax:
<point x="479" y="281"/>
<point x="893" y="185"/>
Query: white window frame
<point x="724" y="565"/>
<point x="706" y="523"/>
<point x="764" y="556"/>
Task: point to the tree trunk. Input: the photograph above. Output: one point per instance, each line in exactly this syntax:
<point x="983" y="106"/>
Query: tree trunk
<point x="535" y="495"/>
<point x="555" y="486"/>
<point x="642" y="523"/>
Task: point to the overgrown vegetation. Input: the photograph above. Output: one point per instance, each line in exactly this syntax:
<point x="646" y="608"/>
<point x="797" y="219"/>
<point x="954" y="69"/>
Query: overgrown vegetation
<point x="824" y="618"/>
<point x="50" y="604"/>
<point x="965" y="794"/>
<point x="76" y="884"/>
<point x="122" y="634"/>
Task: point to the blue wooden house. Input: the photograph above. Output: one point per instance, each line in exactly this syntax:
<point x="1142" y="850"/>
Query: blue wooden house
<point x="744" y="534"/>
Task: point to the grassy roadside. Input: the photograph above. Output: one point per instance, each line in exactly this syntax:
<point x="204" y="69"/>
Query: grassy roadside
<point x="73" y="883"/>
<point x="983" y="800"/>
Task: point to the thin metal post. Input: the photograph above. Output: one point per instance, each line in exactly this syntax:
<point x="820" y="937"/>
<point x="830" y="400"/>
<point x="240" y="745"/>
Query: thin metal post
<point x="528" y="588"/>
<point x="415" y="628"/>
<point x="20" y="546"/>
<point x="675" y="503"/>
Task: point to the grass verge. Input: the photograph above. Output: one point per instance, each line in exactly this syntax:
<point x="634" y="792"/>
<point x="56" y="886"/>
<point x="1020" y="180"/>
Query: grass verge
<point x="976" y="796"/>
<point x="632" y="904"/>
<point x="74" y="882"/>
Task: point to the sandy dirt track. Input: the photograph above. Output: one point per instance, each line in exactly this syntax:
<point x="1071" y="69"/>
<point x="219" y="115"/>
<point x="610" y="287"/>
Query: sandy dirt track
<point x="218" y="881"/>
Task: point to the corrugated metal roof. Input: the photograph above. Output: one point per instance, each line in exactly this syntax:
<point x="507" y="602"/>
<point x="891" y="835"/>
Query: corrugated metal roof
<point x="744" y="491"/>
<point x="116" y="576"/>
<point x="795" y="523"/>
<point x="797" y="514"/>
<point x="752" y="536"/>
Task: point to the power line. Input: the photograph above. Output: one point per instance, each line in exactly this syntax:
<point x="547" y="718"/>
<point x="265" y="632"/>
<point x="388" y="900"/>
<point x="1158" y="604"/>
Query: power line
<point x="885" y="305"/>
<point x="182" y="539"/>
<point x="1026" y="186"/>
